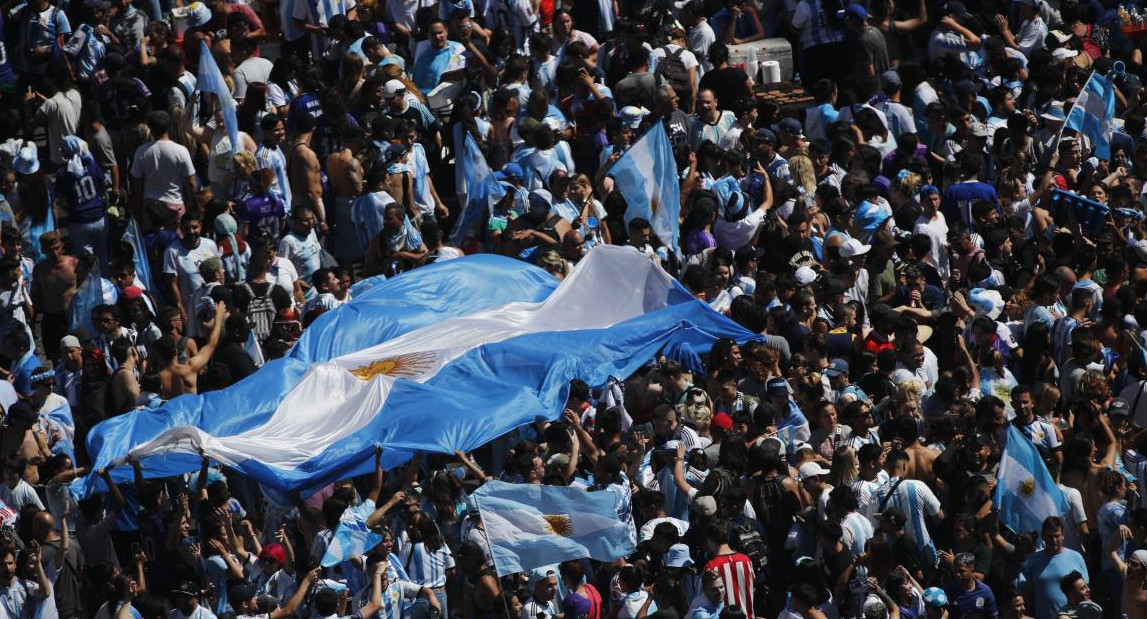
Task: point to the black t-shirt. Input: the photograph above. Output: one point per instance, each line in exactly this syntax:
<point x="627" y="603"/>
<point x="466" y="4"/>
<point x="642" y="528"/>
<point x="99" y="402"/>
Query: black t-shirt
<point x="727" y="84"/>
<point x="235" y="357"/>
<point x="835" y="565"/>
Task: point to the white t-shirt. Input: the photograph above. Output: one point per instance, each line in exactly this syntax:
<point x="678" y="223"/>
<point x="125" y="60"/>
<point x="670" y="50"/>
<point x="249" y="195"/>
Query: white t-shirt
<point x="700" y="37"/>
<point x="184" y="263"/>
<point x="305" y="254"/>
<point x="21" y="495"/>
<point x="164" y="167"/>
<point x="937" y="231"/>
<point x="63" y="114"/>
<point x="251" y="71"/>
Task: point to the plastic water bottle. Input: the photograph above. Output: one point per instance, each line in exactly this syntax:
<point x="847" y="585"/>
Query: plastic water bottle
<point x="796" y="77"/>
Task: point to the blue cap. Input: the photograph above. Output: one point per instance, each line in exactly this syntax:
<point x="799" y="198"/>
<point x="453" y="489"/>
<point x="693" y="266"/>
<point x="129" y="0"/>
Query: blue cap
<point x="792" y="125"/>
<point x="854" y="11"/>
<point x="935" y="597"/>
<point x="927" y="189"/>
<point x="512" y="170"/>
<point x="764" y="134"/>
<point x="777" y="385"/>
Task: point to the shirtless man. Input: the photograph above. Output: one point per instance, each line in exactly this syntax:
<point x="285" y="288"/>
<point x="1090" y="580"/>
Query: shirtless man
<point x="53" y="284"/>
<point x="23" y="442"/>
<point x="305" y="173"/>
<point x="1134" y="572"/>
<point x="125" y="380"/>
<point x="344" y="172"/>
<point x="179" y="378"/>
<point x="920" y="457"/>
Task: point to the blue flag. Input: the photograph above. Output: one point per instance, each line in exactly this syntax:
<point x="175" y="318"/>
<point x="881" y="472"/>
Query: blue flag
<point x="484" y="189"/>
<point x="210" y="79"/>
<point x="1093" y="114"/>
<point x="647" y="176"/>
<point x="138" y="254"/>
<point x="367" y="376"/>
<point x="1025" y="492"/>
<point x="530" y="526"/>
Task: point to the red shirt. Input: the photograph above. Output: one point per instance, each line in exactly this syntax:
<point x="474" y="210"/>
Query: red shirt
<point x="736" y="572"/>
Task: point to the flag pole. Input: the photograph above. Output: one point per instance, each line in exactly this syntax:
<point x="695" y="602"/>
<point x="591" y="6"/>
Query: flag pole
<point x="493" y="558"/>
<point x="1045" y="161"/>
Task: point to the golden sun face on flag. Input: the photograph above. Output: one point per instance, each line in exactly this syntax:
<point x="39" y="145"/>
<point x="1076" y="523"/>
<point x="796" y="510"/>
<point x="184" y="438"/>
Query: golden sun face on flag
<point x="400" y="366"/>
<point x="1028" y="487"/>
<point x="558" y="524"/>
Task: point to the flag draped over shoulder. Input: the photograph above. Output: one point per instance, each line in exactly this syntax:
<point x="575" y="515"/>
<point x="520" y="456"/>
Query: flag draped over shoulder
<point x="1025" y="492"/>
<point x="484" y="189"/>
<point x="210" y="79"/>
<point x="365" y="376"/>
<point x="1093" y="114"/>
<point x="530" y="526"/>
<point x="646" y="176"/>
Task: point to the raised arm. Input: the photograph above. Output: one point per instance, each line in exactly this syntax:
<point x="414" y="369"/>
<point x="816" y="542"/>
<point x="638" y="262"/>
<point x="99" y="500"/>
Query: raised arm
<point x="199" y="361"/>
<point x="379" y="476"/>
<point x="296" y="600"/>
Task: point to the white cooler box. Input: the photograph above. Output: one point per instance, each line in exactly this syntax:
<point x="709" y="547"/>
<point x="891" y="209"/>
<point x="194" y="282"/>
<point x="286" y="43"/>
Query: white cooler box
<point x="753" y="54"/>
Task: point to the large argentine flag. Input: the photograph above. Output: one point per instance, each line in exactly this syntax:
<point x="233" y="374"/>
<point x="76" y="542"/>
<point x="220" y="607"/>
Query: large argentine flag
<point x="1025" y="492"/>
<point x="1093" y="114"/>
<point x="452" y="383"/>
<point x="531" y="526"/>
<point x="646" y="175"/>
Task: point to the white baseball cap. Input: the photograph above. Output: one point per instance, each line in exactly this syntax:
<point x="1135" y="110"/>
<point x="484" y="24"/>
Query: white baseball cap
<point x="853" y="248"/>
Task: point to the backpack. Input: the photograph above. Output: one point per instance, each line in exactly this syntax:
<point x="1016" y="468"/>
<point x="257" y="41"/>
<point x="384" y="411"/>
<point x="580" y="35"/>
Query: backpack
<point x="747" y="540"/>
<point x="261" y="312"/>
<point x="671" y="70"/>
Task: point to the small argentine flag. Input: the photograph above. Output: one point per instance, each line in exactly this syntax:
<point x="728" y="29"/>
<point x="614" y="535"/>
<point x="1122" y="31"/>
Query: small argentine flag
<point x="530" y="526"/>
<point x="1025" y="493"/>
<point x="352" y="538"/>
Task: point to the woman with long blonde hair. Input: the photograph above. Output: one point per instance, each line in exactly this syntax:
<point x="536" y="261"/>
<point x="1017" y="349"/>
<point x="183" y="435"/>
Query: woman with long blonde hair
<point x="845" y="469"/>
<point x="394" y="72"/>
<point x="350" y="84"/>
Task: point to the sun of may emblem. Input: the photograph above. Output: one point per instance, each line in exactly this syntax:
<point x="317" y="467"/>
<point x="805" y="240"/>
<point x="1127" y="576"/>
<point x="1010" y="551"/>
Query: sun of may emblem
<point x="558" y="524"/>
<point x="401" y="366"/>
<point x="1028" y="487"/>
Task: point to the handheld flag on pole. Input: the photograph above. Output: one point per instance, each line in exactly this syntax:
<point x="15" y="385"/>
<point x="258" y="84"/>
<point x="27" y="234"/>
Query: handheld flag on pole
<point x="646" y="175"/>
<point x="352" y="538"/>
<point x="1025" y="492"/>
<point x="138" y="254"/>
<point x="530" y="526"/>
<point x="1093" y="114"/>
<point x="210" y="79"/>
<point x="484" y="189"/>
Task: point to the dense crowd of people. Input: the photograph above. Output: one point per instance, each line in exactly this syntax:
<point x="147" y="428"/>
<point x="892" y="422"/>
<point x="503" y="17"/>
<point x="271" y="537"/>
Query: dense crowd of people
<point x="929" y="257"/>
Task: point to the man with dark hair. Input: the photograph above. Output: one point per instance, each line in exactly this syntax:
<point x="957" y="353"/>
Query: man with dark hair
<point x="178" y="377"/>
<point x="734" y="569"/>
<point x="162" y="170"/>
<point x="1045" y="571"/>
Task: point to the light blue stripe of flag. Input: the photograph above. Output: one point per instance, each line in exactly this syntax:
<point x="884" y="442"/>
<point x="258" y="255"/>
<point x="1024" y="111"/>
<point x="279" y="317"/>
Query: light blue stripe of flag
<point x="138" y="254"/>
<point x="484" y="189"/>
<point x="210" y="79"/>
<point x="1025" y="492"/>
<point x="646" y="175"/>
<point x="1093" y="114"/>
<point x="594" y="529"/>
